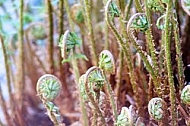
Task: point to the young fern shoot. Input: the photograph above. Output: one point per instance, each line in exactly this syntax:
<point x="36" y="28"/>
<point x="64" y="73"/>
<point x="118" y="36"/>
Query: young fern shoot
<point x="185" y="95"/>
<point x="107" y="64"/>
<point x="157" y="109"/>
<point x="93" y="82"/>
<point x="124" y="118"/>
<point x="48" y="88"/>
<point x="126" y="49"/>
<point x="68" y="44"/>
<point x="139" y="21"/>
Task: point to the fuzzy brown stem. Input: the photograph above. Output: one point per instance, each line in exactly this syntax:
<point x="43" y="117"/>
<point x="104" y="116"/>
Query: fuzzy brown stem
<point x="61" y="66"/>
<point x="91" y="99"/>
<point x="91" y="32"/>
<point x="50" y="44"/>
<point x="119" y="74"/>
<point x="126" y="49"/>
<point x="168" y="62"/>
<point x="20" y="59"/>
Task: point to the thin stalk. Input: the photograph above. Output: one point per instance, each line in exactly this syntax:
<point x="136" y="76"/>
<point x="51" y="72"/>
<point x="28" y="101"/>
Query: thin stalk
<point x="94" y="120"/>
<point x="150" y="40"/>
<point x="4" y="108"/>
<point x="111" y="98"/>
<point x="150" y="89"/>
<point x="50" y="44"/>
<point x="7" y="74"/>
<point x="83" y="49"/>
<point x="185" y="115"/>
<point x="106" y="45"/>
<point x="121" y="53"/>
<point x="82" y="104"/>
<point x="61" y="31"/>
<point x="51" y="114"/>
<point x="161" y="58"/>
<point x="151" y="47"/>
<point x="143" y="55"/>
<point x="126" y="50"/>
<point x="178" y="52"/>
<point x="67" y="8"/>
<point x="121" y="5"/>
<point x="91" y="99"/>
<point x="169" y="12"/>
<point x="91" y="32"/>
<point x="148" y="66"/>
<point x="162" y="64"/>
<point x="97" y="5"/>
<point x="119" y="74"/>
<point x="138" y="6"/>
<point x="20" y="59"/>
<point x="128" y="9"/>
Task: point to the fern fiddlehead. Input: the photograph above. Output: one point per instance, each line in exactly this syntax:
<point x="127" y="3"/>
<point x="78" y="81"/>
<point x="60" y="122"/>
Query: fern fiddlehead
<point x="48" y="88"/>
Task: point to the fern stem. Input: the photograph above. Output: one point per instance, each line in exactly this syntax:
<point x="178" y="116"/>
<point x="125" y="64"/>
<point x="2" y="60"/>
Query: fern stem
<point x="138" y="6"/>
<point x="50" y="44"/>
<point x="119" y="74"/>
<point x="121" y="4"/>
<point x="143" y="54"/>
<point x="128" y="9"/>
<point x="91" y="99"/>
<point x="150" y="41"/>
<point x="91" y="32"/>
<point x="61" y="31"/>
<point x="82" y="104"/>
<point x="178" y="52"/>
<point x="67" y="8"/>
<point x="106" y="45"/>
<point x="111" y="98"/>
<point x="126" y="49"/>
<point x="20" y="59"/>
<point x="168" y="62"/>
<point x="50" y="113"/>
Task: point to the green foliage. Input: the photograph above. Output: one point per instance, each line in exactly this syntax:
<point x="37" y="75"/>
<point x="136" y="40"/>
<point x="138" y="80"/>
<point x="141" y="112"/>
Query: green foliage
<point x="72" y="41"/>
<point x="187" y="3"/>
<point x="38" y="32"/>
<point x="156" y="5"/>
<point x="69" y="42"/>
<point x="28" y="18"/>
<point x="156" y="108"/>
<point x="114" y="10"/>
<point x="48" y="87"/>
<point x="96" y="78"/>
<point x="159" y="73"/>
<point x="159" y="24"/>
<point x="124" y="118"/>
<point x="79" y="16"/>
<point x="82" y="87"/>
<point x="140" y="23"/>
<point x="1" y="2"/>
<point x="106" y="62"/>
<point x="185" y="95"/>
